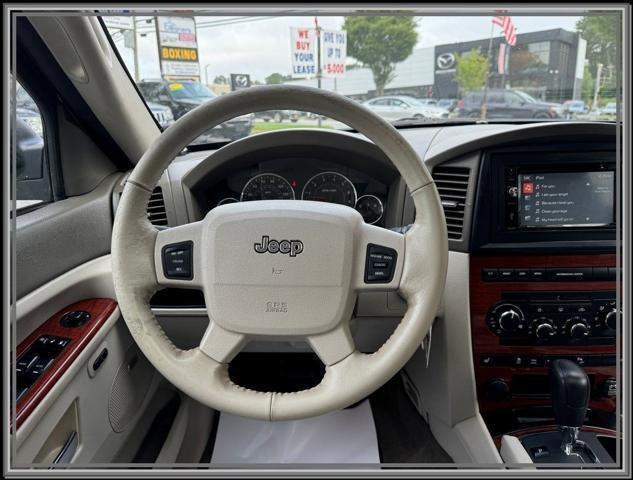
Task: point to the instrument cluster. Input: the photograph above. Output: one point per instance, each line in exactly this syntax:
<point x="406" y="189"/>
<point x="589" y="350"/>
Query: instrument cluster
<point x="326" y="186"/>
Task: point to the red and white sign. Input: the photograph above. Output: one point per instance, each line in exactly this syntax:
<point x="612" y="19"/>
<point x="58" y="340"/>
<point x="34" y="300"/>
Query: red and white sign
<point x="303" y="52"/>
<point x="509" y="30"/>
<point x="333" y="52"/>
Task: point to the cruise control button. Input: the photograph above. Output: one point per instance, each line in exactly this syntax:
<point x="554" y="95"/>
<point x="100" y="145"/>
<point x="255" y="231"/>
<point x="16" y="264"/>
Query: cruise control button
<point x="177" y="261"/>
<point x="380" y="264"/>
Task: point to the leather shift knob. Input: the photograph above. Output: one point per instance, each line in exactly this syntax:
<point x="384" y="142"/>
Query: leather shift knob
<point x="570" y="393"/>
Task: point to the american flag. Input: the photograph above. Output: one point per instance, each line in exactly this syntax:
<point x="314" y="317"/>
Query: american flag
<point x="509" y="30"/>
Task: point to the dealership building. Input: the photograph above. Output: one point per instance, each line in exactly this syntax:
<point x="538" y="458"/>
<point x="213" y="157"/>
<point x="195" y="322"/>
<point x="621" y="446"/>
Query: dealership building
<point x="549" y="65"/>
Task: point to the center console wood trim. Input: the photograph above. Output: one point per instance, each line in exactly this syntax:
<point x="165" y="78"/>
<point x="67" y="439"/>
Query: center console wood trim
<point x="484" y="294"/>
<point x="100" y="310"/>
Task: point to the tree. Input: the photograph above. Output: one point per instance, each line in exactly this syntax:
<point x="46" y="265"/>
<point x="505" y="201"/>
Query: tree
<point x="601" y="34"/>
<point x="471" y="70"/>
<point x="220" y="80"/>
<point x="379" y="43"/>
<point x="588" y="86"/>
<point x="276" y="78"/>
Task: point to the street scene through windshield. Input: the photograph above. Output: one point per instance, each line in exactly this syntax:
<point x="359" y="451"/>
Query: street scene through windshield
<point x="407" y="69"/>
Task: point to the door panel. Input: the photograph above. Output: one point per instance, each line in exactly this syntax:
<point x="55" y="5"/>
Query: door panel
<point x="62" y="235"/>
<point x="81" y="389"/>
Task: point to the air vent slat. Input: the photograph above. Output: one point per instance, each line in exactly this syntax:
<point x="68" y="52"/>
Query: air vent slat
<point x="452" y="185"/>
<point x="156" y="208"/>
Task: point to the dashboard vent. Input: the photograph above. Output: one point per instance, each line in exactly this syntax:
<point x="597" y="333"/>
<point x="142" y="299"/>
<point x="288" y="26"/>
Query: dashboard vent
<point x="156" y="208"/>
<point x="452" y="185"/>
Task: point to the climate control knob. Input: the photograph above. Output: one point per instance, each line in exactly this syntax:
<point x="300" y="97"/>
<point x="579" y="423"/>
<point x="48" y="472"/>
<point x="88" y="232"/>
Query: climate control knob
<point x="509" y="317"/>
<point x="544" y="330"/>
<point x="577" y="328"/>
<point x="610" y="320"/>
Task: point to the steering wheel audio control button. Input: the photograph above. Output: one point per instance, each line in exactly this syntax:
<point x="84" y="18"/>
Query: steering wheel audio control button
<point x="177" y="261"/>
<point x="380" y="264"/>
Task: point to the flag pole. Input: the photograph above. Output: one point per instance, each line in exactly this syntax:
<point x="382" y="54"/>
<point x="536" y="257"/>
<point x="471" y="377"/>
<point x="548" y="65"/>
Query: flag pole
<point x="506" y="65"/>
<point x="484" y="101"/>
<point x="319" y="72"/>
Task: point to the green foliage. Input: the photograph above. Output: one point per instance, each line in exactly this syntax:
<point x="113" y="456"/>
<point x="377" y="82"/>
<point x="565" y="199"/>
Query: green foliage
<point x="601" y="34"/>
<point x="379" y="43"/>
<point x="220" y="80"/>
<point x="588" y="85"/>
<point x="276" y="78"/>
<point x="471" y="70"/>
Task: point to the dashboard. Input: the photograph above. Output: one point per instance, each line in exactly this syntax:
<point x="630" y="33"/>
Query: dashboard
<point x="531" y="212"/>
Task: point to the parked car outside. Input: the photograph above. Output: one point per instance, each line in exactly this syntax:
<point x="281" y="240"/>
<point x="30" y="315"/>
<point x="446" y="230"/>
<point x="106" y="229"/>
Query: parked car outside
<point x="183" y="96"/>
<point x="610" y="109"/>
<point x="395" y="108"/>
<point x="163" y="115"/>
<point x="507" y="104"/>
<point x="447" y="103"/>
<point x="32" y="118"/>
<point x="278" y="116"/>
<point x="427" y="101"/>
<point x="571" y="108"/>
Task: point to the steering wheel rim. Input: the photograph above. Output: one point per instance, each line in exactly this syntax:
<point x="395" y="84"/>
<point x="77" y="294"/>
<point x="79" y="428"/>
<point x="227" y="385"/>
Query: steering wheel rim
<point x="202" y="372"/>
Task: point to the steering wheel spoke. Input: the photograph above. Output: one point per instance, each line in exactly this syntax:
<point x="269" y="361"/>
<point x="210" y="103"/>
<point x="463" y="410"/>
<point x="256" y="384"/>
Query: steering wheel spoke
<point x="333" y="346"/>
<point x="221" y="344"/>
<point x="177" y="256"/>
<point x="380" y="257"/>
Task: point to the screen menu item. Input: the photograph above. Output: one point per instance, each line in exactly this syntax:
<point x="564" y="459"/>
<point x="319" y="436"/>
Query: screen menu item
<point x="569" y="199"/>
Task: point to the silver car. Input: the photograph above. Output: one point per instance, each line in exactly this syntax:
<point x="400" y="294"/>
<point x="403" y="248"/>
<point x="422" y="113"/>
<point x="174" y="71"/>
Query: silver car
<point x="401" y="107"/>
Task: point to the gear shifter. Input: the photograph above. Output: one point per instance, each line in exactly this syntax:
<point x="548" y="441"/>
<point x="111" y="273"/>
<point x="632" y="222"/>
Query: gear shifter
<point x="570" y="397"/>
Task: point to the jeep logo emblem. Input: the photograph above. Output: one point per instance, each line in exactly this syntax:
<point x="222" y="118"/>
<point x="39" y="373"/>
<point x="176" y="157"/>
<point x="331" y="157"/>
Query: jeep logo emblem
<point x="285" y="247"/>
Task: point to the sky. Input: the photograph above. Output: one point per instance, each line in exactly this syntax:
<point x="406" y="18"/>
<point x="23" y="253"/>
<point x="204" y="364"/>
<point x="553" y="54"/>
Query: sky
<point x="262" y="46"/>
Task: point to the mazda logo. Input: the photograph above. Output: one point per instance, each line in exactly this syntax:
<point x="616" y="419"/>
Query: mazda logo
<point x="285" y="247"/>
<point x="445" y="61"/>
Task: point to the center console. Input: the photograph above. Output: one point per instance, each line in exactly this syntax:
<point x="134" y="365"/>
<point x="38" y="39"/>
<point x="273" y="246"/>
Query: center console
<point x="543" y="281"/>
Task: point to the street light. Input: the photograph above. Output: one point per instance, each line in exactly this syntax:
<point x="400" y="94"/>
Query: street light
<point x="206" y="73"/>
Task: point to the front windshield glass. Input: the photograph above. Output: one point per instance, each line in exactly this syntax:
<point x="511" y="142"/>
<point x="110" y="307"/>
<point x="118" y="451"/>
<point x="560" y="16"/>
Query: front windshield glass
<point x="406" y="69"/>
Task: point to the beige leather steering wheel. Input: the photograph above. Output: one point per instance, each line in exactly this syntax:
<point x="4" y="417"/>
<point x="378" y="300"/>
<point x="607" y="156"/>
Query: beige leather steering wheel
<point x="279" y="269"/>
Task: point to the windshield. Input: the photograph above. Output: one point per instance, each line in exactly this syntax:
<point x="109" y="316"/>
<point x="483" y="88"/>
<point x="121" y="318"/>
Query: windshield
<point x="458" y="68"/>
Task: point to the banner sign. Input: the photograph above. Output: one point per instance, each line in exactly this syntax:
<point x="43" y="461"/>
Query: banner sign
<point x="122" y="23"/>
<point x="334" y="52"/>
<point x="303" y="51"/>
<point x="178" y="47"/>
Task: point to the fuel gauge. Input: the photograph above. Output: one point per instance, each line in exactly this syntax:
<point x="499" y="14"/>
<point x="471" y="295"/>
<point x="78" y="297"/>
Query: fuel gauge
<point x="370" y="207"/>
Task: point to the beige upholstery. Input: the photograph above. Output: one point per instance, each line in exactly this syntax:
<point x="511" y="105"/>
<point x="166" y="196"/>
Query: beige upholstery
<point x="422" y="263"/>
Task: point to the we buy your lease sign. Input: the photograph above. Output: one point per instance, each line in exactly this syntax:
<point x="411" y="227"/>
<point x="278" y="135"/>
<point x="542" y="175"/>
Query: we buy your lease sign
<point x="303" y="51"/>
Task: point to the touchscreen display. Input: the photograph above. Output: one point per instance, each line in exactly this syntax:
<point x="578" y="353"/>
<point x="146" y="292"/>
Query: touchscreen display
<point x="569" y="199"/>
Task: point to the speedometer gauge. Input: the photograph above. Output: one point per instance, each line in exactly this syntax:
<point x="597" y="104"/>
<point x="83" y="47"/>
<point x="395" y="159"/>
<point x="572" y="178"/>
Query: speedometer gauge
<point x="330" y="187"/>
<point x="267" y="186"/>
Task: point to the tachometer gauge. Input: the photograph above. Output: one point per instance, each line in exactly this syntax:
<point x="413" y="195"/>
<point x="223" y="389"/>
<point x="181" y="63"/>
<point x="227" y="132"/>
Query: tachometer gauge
<point x="267" y="186"/>
<point x="226" y="200"/>
<point x="330" y="187"/>
<point x="370" y="207"/>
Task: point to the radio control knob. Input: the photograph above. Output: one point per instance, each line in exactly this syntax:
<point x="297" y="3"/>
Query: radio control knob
<point x="510" y="317"/>
<point x="544" y="330"/>
<point x="610" y="320"/>
<point x="579" y="330"/>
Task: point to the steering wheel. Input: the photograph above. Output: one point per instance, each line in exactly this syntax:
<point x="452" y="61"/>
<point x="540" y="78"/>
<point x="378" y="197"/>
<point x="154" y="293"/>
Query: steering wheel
<point x="279" y="269"/>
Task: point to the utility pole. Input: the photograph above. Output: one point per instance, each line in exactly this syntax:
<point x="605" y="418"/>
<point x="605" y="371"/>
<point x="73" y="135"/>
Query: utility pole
<point x="484" y="100"/>
<point x="135" y="43"/>
<point x="319" y="71"/>
<point x="596" y="89"/>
